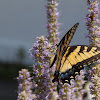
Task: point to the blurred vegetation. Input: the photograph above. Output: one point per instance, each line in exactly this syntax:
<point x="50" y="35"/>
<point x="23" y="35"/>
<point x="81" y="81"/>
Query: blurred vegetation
<point x="21" y="54"/>
<point x="9" y="71"/>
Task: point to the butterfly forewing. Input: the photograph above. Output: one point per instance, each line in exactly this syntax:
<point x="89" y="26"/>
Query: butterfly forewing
<point x="68" y="36"/>
<point x="77" y="56"/>
<point x="63" y="45"/>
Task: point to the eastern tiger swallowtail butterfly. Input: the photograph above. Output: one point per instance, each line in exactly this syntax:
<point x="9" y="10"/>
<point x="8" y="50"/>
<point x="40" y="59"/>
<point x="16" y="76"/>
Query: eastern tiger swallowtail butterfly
<point x="71" y="59"/>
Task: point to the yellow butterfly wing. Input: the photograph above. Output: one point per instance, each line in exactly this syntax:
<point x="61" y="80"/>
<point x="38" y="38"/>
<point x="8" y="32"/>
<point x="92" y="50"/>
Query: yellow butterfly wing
<point x="62" y="46"/>
<point x="75" y="58"/>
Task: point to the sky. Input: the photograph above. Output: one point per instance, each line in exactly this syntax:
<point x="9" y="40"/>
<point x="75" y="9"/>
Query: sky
<point x="21" y="21"/>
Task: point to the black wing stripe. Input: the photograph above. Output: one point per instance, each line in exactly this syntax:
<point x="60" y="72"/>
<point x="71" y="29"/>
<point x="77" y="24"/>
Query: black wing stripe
<point x="67" y="35"/>
<point x="53" y="61"/>
<point x="79" y="59"/>
<point x="63" y="45"/>
<point x="83" y="56"/>
<point x="69" y="62"/>
<point x="81" y="49"/>
<point x="78" y="55"/>
<point x="89" y="60"/>
<point x="87" y="55"/>
<point x="71" y="49"/>
<point x="93" y="52"/>
<point x="75" y="58"/>
<point x="89" y="49"/>
<point x="98" y="51"/>
<point x="65" y="61"/>
<point x="66" y="66"/>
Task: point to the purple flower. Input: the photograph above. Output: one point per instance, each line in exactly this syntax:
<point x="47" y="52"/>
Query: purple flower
<point x="52" y="24"/>
<point x="25" y="85"/>
<point x="92" y="21"/>
<point x="36" y="45"/>
<point x="45" y="53"/>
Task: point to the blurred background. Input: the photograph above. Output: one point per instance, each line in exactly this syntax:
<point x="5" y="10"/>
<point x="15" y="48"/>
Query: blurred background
<point x="21" y="21"/>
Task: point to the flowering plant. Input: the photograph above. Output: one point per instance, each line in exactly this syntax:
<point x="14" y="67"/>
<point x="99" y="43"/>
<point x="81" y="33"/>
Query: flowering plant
<point x="41" y="53"/>
<point x="92" y="22"/>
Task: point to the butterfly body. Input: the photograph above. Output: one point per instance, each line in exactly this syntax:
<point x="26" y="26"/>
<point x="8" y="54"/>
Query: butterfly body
<point x="71" y="59"/>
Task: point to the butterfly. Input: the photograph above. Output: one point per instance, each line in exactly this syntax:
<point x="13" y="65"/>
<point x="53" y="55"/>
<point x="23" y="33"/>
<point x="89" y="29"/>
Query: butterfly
<point x="70" y="60"/>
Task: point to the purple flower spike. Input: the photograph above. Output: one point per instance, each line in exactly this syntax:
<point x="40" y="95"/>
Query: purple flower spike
<point x="52" y="24"/>
<point x="92" y="22"/>
<point x="25" y="86"/>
